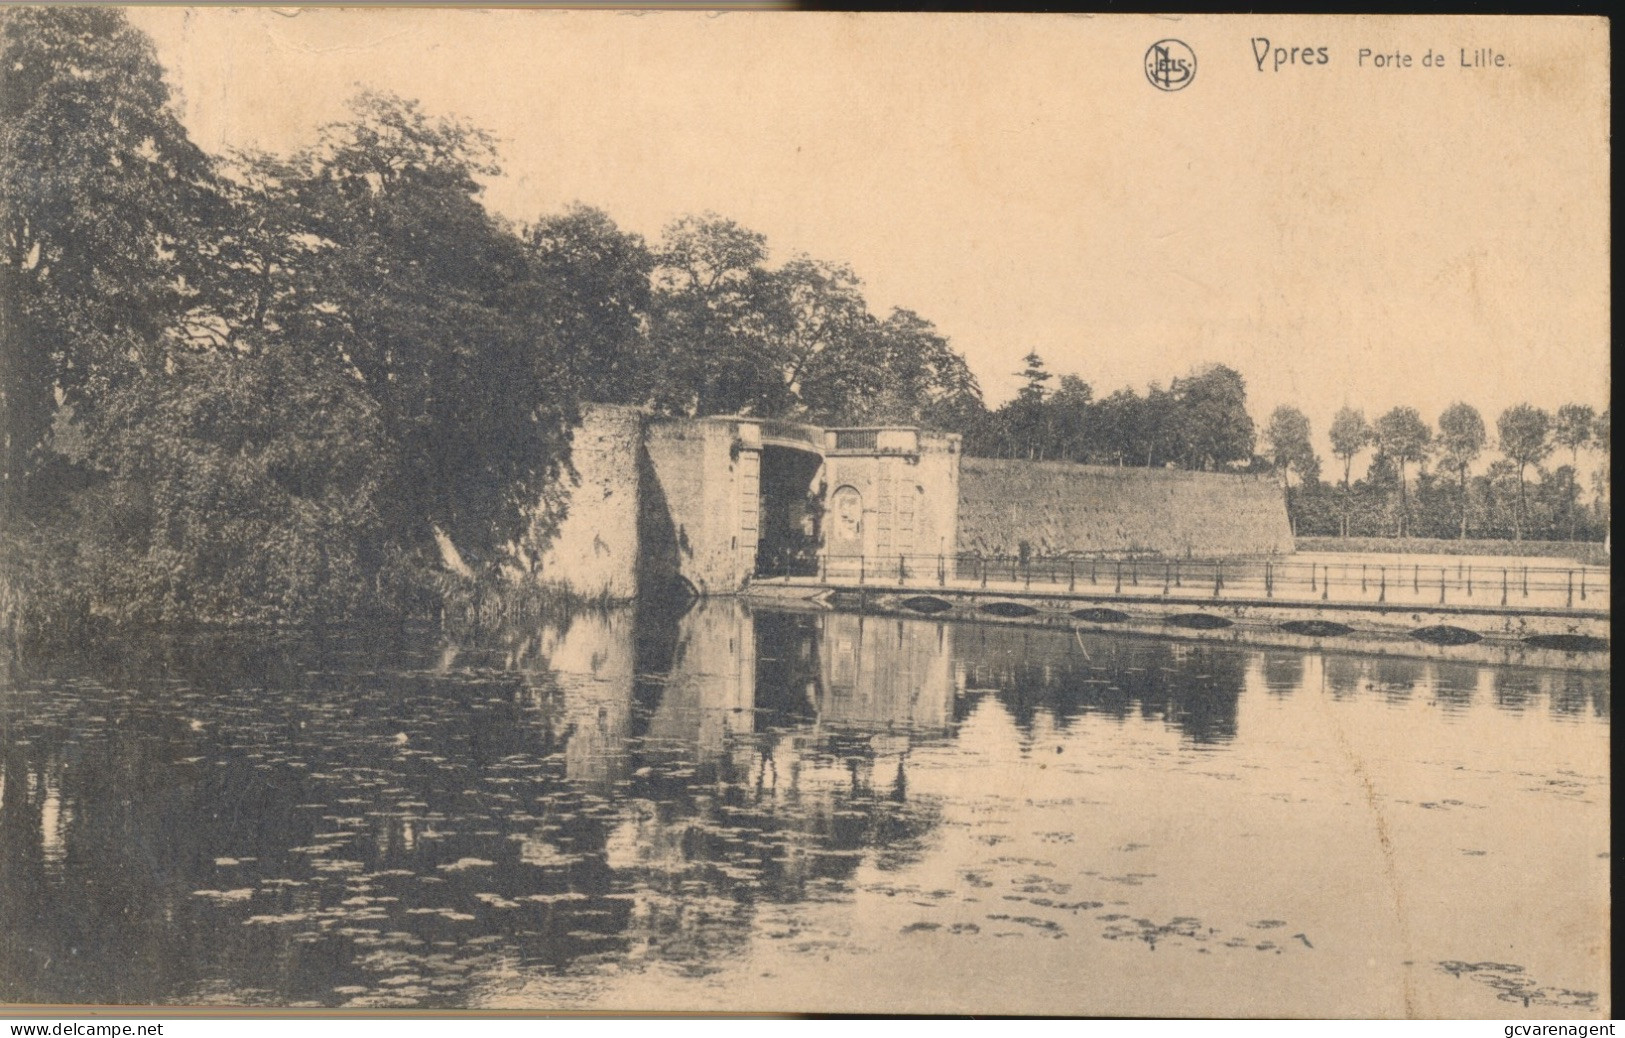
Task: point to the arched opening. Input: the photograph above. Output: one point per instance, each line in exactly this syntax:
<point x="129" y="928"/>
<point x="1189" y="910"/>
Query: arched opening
<point x="791" y="513"/>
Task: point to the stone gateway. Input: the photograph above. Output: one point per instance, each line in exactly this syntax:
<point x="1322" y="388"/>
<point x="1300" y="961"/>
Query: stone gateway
<point x="705" y="504"/>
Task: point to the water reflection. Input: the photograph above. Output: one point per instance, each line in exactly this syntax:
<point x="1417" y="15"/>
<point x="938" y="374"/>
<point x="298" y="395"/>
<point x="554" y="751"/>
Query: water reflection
<point x="1192" y="686"/>
<point x="416" y="824"/>
<point x="1283" y="672"/>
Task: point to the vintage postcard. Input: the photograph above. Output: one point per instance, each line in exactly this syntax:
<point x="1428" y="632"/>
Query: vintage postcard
<point x="804" y="512"/>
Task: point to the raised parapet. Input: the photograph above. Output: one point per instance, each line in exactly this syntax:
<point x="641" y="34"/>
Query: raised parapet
<point x="594" y="552"/>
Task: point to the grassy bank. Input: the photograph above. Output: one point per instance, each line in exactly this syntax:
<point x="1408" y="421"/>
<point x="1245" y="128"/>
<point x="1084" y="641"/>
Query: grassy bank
<point x="1588" y="552"/>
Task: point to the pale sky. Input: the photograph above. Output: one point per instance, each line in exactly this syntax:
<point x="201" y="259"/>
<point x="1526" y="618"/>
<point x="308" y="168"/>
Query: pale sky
<point x="1338" y="233"/>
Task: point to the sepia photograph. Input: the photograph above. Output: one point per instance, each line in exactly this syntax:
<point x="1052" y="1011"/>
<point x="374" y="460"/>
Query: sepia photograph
<point x="773" y="512"/>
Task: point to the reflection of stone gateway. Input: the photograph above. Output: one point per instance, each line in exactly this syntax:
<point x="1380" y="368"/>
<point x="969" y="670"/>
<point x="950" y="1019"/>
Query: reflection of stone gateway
<point x="885" y="673"/>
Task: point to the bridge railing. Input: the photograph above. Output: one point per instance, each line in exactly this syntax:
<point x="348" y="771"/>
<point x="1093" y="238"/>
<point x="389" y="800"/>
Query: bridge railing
<point x="1463" y="584"/>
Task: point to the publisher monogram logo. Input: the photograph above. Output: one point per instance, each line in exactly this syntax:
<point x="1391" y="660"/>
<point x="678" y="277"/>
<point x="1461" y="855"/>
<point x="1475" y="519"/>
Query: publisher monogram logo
<point x="1170" y="65"/>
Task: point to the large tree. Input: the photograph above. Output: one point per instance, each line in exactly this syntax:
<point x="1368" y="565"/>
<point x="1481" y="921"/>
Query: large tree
<point x="1286" y="437"/>
<point x="590" y="282"/>
<point x="1403" y="438"/>
<point x="430" y="303"/>
<point x="1070" y="406"/>
<point x="234" y="489"/>
<point x="1572" y="428"/>
<point x="1208" y="415"/>
<point x="1461" y="440"/>
<point x="1117" y="426"/>
<point x="715" y="311"/>
<point x="102" y="197"/>
<point x="1350" y="434"/>
<point x="1026" y="418"/>
<point x="1525" y="435"/>
<point x="1603" y="477"/>
<point x="924" y="381"/>
<point x="833" y="359"/>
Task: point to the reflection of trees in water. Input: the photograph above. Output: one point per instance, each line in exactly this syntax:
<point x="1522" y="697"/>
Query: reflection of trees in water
<point x="755" y="778"/>
<point x="1515" y="688"/>
<point x="789" y="668"/>
<point x="1192" y="686"/>
<point x="1283" y="672"/>
<point x="1572" y="693"/>
<point x="293" y="822"/>
<point x="1395" y="678"/>
<point x="1344" y="674"/>
<point x="279" y="804"/>
<point x="1454" y="685"/>
<point x="784" y="819"/>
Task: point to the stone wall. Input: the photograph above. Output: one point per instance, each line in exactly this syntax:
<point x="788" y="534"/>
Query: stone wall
<point x="595" y="551"/>
<point x="700" y="484"/>
<point x="1059" y="507"/>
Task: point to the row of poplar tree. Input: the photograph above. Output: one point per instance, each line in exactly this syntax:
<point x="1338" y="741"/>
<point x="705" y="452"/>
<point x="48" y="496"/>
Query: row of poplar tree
<point x="1550" y="480"/>
<point x="1542" y="475"/>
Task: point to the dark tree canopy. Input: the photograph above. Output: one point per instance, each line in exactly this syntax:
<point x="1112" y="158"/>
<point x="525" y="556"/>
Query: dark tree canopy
<point x="427" y="299"/>
<point x="592" y="292"/>
<point x="730" y="335"/>
<point x="1350" y="434"/>
<point x="102" y="200"/>
<point x="1572" y="428"/>
<point x="1461" y="436"/>
<point x="834" y="359"/>
<point x="1525" y="434"/>
<point x="270" y="388"/>
<point x="1402" y="438"/>
<point x="1210" y="421"/>
<point x="1461" y="441"/>
<point x="713" y="321"/>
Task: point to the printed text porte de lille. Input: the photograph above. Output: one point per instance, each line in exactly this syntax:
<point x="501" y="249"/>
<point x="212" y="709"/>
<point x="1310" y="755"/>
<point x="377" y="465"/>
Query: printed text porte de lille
<point x="1272" y="55"/>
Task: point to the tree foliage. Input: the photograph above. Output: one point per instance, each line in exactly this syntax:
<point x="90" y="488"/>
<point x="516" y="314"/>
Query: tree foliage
<point x="1199" y="422"/>
<point x="234" y="489"/>
<point x="429" y="302"/>
<point x="103" y="199"/>
<point x="1287" y="439"/>
<point x="589" y="287"/>
<point x="1402" y="437"/>
<point x="256" y="387"/>
<point x="1525" y="435"/>
<point x="1461" y="441"/>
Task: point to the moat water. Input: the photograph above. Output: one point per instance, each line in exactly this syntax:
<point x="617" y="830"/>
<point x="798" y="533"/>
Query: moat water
<point x="743" y="808"/>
